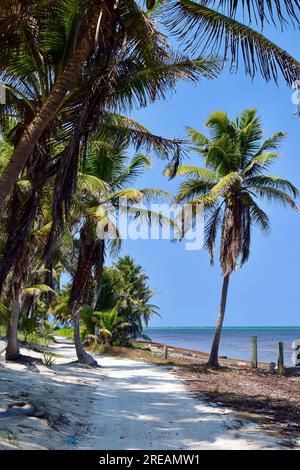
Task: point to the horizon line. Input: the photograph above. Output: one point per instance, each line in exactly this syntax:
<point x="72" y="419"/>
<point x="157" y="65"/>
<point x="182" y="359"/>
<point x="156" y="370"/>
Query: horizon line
<point x="240" y="326"/>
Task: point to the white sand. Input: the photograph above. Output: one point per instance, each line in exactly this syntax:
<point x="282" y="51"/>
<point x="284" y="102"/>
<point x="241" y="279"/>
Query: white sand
<point x="124" y="405"/>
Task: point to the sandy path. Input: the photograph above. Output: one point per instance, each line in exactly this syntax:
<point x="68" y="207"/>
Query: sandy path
<point x="123" y="405"/>
<point x="141" y="406"/>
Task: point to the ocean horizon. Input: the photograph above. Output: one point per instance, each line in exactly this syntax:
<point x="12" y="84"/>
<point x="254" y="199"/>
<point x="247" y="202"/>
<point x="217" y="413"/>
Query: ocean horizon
<point x="235" y="340"/>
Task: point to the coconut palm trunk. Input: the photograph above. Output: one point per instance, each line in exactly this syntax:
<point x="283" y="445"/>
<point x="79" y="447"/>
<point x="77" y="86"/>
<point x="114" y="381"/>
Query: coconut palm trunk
<point x="214" y="353"/>
<point x="99" y="271"/>
<point x="82" y="355"/>
<point x="15" y="299"/>
<point x="81" y="287"/>
<point x="12" y="349"/>
<point x="35" y="129"/>
<point x="98" y="280"/>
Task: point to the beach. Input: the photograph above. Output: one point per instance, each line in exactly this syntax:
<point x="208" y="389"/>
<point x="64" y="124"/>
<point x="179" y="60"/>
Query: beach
<point x="141" y="403"/>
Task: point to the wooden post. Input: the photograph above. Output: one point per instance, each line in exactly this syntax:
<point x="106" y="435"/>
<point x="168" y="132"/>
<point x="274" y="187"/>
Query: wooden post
<point x="254" y="352"/>
<point x="165" y="352"/>
<point x="280" y="359"/>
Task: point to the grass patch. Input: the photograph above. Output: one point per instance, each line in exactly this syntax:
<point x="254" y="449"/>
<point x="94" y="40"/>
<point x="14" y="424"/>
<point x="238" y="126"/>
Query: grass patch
<point x="138" y="345"/>
<point x="65" y="332"/>
<point x="34" y="339"/>
<point x="9" y="437"/>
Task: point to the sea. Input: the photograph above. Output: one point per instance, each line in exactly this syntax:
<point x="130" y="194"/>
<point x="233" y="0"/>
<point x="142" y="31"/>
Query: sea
<point x="235" y="342"/>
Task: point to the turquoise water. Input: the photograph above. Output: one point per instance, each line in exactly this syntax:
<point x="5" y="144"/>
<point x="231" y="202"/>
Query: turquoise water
<point x="235" y="342"/>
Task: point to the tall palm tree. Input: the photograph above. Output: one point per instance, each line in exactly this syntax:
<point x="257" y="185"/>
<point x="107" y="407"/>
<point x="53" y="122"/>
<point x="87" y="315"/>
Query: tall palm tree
<point x="102" y="28"/>
<point x="106" y="177"/>
<point x="228" y="188"/>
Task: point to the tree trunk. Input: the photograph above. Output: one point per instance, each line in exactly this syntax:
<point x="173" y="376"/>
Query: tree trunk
<point x="82" y="355"/>
<point x="12" y="349"/>
<point x="214" y="353"/>
<point x="98" y="280"/>
<point x="35" y="129"/>
<point x="99" y="254"/>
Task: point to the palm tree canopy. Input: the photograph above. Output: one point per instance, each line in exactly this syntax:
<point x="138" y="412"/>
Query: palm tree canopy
<point x="233" y="181"/>
<point x="214" y="27"/>
<point x="126" y="288"/>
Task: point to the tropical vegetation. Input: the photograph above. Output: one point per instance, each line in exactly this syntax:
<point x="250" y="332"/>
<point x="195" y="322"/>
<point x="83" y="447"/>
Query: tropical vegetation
<point x="73" y="71"/>
<point x="121" y="312"/>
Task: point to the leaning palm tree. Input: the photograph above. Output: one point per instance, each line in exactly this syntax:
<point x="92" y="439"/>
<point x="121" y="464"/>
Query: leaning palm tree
<point x="228" y="189"/>
<point x="103" y="184"/>
<point x="100" y="29"/>
<point x="30" y="74"/>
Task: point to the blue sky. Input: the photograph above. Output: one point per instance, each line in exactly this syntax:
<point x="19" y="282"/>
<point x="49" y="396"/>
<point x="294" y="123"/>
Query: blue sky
<point x="267" y="290"/>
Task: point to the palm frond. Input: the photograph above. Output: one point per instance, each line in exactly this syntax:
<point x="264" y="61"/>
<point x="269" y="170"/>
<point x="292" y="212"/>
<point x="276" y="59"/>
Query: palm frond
<point x="38" y="289"/>
<point x="199" y="140"/>
<point x="258" y="216"/>
<point x="195" y="171"/>
<point x="135" y="168"/>
<point x="131" y="194"/>
<point x="154" y="194"/>
<point x="261" y="11"/>
<point x="197" y="26"/>
<point x="193" y="188"/>
<point x="211" y="230"/>
<point x="221" y="156"/>
<point x="260" y="163"/>
<point x="143" y="85"/>
<point x="273" y="182"/>
<point x="93" y="185"/>
<point x="151" y="217"/>
<point x="275" y="195"/>
<point x="226" y="183"/>
<point x="125" y="131"/>
<point x="4" y="313"/>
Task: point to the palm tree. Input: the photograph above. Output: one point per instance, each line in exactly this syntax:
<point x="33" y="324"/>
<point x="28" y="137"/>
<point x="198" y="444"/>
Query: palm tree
<point x="125" y="303"/>
<point x="105" y="178"/>
<point x="134" y="297"/>
<point x="228" y="188"/>
<point x="101" y="29"/>
<point x="110" y="325"/>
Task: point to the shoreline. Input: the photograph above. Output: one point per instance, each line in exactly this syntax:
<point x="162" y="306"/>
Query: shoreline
<point x="235" y="343"/>
<point x="203" y="356"/>
<point x="196" y="354"/>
